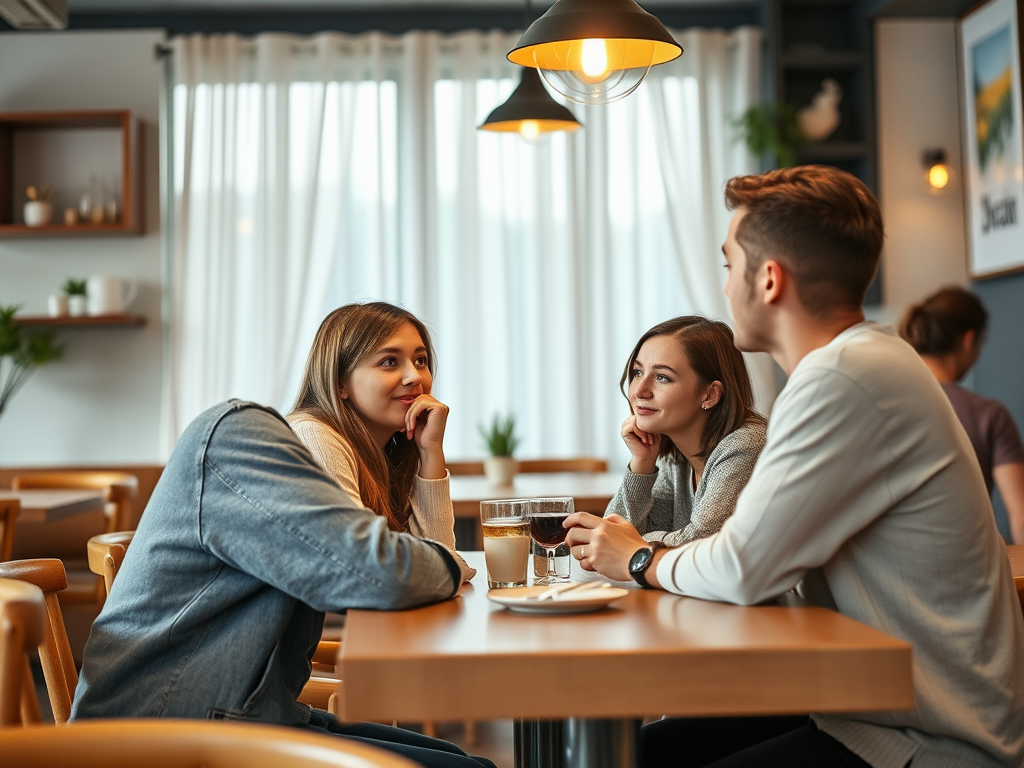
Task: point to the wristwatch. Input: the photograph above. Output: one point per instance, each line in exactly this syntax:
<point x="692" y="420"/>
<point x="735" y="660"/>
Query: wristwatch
<point x="641" y="561"/>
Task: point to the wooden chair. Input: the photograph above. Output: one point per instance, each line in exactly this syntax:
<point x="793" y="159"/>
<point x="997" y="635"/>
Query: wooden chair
<point x="106" y="553"/>
<point x="84" y="596"/>
<point x="184" y="744"/>
<point x="54" y="650"/>
<point x="22" y="617"/>
<point x="9" y="510"/>
<point x="582" y="464"/>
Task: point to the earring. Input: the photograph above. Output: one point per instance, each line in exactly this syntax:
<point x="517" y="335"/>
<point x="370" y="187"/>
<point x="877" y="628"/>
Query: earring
<point x="704" y="406"/>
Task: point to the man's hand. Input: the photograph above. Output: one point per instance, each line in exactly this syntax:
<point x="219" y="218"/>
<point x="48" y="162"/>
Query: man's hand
<point x="603" y="544"/>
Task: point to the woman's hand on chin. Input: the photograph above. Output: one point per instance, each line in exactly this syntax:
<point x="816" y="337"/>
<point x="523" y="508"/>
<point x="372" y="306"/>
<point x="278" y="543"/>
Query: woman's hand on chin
<point x="644" y="447"/>
<point x="425" y="422"/>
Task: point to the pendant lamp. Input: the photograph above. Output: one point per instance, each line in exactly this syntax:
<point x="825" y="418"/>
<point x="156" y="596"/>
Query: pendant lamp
<point x="595" y="51"/>
<point x="531" y="111"/>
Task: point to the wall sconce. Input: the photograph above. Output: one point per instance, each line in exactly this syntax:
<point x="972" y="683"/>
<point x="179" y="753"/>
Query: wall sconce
<point x="939" y="174"/>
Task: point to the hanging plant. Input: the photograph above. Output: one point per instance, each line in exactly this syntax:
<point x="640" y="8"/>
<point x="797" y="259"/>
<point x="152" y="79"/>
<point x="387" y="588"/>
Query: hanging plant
<point x="771" y="128"/>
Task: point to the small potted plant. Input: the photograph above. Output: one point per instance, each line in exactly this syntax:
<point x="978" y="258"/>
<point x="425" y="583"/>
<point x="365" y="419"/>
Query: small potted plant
<point x="38" y="209"/>
<point x="501" y="441"/>
<point x="75" y="289"/>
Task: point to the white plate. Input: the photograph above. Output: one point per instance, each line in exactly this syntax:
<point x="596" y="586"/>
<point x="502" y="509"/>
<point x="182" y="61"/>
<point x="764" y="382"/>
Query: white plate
<point x="523" y="599"/>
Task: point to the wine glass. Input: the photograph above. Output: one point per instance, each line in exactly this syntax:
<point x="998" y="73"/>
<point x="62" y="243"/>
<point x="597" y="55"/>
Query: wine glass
<point x="546" y="518"/>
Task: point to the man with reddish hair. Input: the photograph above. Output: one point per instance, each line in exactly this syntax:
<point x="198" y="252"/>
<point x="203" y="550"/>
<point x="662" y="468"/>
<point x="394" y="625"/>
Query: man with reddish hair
<point x="867" y="498"/>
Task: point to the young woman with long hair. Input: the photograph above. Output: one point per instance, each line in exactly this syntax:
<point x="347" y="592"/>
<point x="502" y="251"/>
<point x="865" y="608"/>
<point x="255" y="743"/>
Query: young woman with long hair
<point x="693" y="432"/>
<point x="365" y="412"/>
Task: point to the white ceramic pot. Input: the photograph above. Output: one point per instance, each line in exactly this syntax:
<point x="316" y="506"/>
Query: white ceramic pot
<point x="57" y="305"/>
<point x="500" y="470"/>
<point x="76" y="306"/>
<point x="38" y="213"/>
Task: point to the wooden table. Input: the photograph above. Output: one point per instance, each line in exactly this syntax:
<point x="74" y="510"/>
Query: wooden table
<point x="45" y="506"/>
<point x="591" y="491"/>
<point x="651" y="653"/>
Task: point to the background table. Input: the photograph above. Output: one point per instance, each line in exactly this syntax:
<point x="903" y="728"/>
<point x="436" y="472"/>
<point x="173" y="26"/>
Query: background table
<point x="650" y="653"/>
<point x="591" y="491"/>
<point x="45" y="506"/>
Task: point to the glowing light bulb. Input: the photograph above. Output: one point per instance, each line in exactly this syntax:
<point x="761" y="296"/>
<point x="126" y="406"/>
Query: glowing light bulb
<point x="938" y="176"/>
<point x="594" y="59"/>
<point x="529" y="130"/>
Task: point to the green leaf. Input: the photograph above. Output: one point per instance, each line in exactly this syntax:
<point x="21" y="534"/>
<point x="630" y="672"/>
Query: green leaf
<point x="21" y="352"/>
<point x="500" y="436"/>
<point x="771" y="128"/>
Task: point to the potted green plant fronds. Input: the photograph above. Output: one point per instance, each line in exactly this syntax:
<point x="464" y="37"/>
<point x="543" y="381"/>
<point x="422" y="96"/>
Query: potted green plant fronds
<point x="21" y="352"/>
<point x="773" y="129"/>
<point x="501" y="441"/>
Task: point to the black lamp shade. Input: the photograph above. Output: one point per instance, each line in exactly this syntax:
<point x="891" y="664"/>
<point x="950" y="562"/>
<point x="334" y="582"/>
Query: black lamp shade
<point x="544" y="44"/>
<point x="530" y="101"/>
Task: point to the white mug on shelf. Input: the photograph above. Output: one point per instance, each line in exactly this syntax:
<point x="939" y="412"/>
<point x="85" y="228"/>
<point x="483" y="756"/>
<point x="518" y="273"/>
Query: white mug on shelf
<point x="109" y="295"/>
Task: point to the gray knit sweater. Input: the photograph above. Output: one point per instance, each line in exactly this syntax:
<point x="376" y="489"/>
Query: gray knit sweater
<point x="664" y="507"/>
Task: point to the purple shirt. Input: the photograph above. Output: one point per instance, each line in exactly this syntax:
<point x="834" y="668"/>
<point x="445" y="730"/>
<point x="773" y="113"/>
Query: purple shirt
<point x="991" y="428"/>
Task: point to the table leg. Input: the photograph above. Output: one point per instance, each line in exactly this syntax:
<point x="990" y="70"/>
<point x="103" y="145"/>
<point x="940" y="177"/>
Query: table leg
<point x="539" y="743"/>
<point x="602" y="743"/>
<point x="576" y="743"/>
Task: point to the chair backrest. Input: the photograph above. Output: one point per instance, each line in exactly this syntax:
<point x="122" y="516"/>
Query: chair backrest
<point x="581" y="464"/>
<point x="106" y="553"/>
<point x="22" y="617"/>
<point x="187" y="743"/>
<point x="119" y="490"/>
<point x="54" y="649"/>
<point x="9" y="509"/>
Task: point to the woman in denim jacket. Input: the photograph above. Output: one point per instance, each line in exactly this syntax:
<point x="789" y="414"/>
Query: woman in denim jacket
<point x="220" y="602"/>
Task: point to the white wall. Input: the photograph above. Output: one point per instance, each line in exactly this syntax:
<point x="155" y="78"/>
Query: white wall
<point x="916" y="73"/>
<point x="101" y="403"/>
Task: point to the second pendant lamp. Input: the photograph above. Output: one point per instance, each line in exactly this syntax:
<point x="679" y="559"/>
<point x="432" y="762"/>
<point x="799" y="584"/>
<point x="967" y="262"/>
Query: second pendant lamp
<point x="530" y="111"/>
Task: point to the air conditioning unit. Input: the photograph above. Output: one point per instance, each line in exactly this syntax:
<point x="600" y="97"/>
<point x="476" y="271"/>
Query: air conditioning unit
<point x="35" y="14"/>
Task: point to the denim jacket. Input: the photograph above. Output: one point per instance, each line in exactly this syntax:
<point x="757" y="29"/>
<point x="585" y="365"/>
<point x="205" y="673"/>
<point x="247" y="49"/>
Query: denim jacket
<point x="220" y="601"/>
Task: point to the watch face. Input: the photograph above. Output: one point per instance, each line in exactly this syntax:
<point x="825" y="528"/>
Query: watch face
<point x="640" y="559"/>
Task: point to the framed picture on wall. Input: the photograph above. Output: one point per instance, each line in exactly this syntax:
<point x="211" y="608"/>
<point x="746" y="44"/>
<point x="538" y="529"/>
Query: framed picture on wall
<point x="993" y="140"/>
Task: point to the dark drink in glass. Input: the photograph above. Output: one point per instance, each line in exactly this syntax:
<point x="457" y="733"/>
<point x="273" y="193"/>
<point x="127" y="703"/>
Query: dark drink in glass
<point x="546" y="528"/>
<point x="546" y="518"/>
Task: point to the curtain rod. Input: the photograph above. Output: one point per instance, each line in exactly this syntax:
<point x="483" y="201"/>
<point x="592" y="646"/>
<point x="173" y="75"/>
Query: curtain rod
<point x="161" y="51"/>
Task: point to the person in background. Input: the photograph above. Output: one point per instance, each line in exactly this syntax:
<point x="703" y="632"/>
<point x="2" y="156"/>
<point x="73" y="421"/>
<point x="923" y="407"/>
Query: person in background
<point x="693" y="432"/>
<point x="365" y="412"/>
<point x="219" y="605"/>
<point x="867" y="499"/>
<point x="947" y="330"/>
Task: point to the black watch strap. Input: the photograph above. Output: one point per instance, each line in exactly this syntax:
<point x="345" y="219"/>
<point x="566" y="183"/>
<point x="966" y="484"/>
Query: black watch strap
<point x="641" y="561"/>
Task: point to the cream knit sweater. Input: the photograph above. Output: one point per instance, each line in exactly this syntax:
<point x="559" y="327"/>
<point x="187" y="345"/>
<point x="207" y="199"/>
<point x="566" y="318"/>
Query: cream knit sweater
<point x="431" y="517"/>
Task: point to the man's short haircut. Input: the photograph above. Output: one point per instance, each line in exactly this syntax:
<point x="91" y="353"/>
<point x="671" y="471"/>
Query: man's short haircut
<point x="822" y="224"/>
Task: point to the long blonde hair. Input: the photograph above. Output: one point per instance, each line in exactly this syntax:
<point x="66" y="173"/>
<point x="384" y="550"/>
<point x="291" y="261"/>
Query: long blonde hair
<point x="345" y="338"/>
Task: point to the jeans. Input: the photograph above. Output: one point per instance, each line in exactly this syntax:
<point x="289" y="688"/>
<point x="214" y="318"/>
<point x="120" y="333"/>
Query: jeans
<point x="428" y="752"/>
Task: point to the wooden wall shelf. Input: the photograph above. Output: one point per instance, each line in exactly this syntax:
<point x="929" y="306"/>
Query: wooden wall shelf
<point x="67" y="321"/>
<point x="56" y="149"/>
<point x="62" y="230"/>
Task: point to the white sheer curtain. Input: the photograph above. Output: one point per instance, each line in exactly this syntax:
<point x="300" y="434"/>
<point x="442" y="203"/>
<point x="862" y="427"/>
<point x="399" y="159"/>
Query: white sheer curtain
<point x="311" y="172"/>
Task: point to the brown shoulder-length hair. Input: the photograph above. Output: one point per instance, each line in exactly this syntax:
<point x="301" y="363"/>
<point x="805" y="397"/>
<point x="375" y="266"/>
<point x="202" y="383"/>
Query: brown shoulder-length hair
<point x="935" y="326"/>
<point x="347" y="336"/>
<point x="710" y="351"/>
<point x="822" y="223"/>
